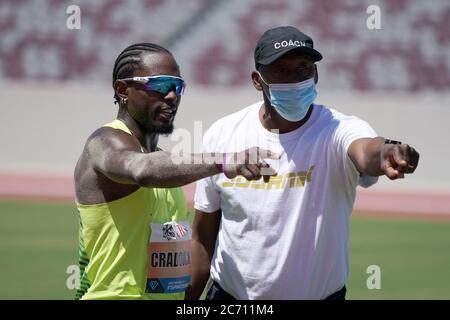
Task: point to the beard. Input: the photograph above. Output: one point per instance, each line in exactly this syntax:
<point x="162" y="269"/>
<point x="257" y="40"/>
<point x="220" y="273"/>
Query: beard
<point x="158" y="127"/>
<point x="153" y="123"/>
<point x="162" y="128"/>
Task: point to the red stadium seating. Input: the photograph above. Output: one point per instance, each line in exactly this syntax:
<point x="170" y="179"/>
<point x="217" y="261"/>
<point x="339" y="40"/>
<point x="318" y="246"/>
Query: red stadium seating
<point x="214" y="40"/>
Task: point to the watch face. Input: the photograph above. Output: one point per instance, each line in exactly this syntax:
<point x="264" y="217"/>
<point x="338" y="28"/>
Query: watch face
<point x="389" y="141"/>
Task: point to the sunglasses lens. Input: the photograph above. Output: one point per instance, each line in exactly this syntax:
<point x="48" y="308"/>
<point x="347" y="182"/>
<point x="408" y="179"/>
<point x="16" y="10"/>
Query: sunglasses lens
<point x="165" y="84"/>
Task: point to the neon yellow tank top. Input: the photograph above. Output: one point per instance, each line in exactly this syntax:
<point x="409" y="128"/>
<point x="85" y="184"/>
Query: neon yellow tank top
<point x="136" y="247"/>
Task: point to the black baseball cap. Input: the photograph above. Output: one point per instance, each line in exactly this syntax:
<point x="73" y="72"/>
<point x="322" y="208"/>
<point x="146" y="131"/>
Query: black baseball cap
<point x="278" y="41"/>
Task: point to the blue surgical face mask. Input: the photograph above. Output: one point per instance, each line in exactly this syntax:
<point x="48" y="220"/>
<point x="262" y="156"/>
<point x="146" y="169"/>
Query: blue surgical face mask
<point x="292" y="100"/>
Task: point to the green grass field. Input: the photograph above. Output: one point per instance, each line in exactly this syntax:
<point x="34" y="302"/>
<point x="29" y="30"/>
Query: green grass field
<point x="38" y="241"/>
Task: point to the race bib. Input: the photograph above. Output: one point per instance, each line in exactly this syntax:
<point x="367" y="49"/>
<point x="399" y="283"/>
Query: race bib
<point x="169" y="254"/>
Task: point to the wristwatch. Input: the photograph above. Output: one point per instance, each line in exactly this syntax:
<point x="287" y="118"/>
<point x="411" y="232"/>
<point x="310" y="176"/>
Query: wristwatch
<point x="389" y="141"/>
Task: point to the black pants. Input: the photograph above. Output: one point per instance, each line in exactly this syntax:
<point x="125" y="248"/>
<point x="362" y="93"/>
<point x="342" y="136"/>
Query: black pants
<point x="217" y="293"/>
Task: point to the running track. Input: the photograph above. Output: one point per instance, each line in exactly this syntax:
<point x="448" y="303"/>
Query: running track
<point x="60" y="189"/>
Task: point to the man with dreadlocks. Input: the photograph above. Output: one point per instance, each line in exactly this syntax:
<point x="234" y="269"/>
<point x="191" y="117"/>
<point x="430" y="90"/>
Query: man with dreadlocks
<point x="134" y="233"/>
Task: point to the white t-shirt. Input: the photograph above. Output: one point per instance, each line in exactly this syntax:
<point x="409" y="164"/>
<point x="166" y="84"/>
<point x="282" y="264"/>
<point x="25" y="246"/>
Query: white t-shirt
<point x="286" y="239"/>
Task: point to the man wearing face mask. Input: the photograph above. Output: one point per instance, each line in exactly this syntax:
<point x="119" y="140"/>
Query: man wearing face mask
<point x="287" y="238"/>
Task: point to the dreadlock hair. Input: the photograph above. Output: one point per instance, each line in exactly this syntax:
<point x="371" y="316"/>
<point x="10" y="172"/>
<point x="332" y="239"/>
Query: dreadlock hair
<point x="130" y="60"/>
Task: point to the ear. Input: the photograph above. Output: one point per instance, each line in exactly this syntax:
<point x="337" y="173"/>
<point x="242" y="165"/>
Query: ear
<point x="256" y="81"/>
<point x="316" y="74"/>
<point x="120" y="88"/>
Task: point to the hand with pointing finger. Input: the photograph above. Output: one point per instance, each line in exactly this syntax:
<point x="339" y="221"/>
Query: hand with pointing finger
<point x="398" y="159"/>
<point x="250" y="164"/>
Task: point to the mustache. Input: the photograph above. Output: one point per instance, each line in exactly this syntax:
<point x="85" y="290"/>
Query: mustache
<point x="169" y="108"/>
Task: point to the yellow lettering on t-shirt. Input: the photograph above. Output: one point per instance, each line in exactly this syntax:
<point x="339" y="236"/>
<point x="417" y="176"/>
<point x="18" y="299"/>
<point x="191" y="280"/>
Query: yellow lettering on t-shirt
<point x="287" y="180"/>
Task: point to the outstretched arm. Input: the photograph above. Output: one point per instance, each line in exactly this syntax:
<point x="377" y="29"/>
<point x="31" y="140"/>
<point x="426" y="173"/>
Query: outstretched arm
<point x="118" y="156"/>
<point x="373" y="157"/>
